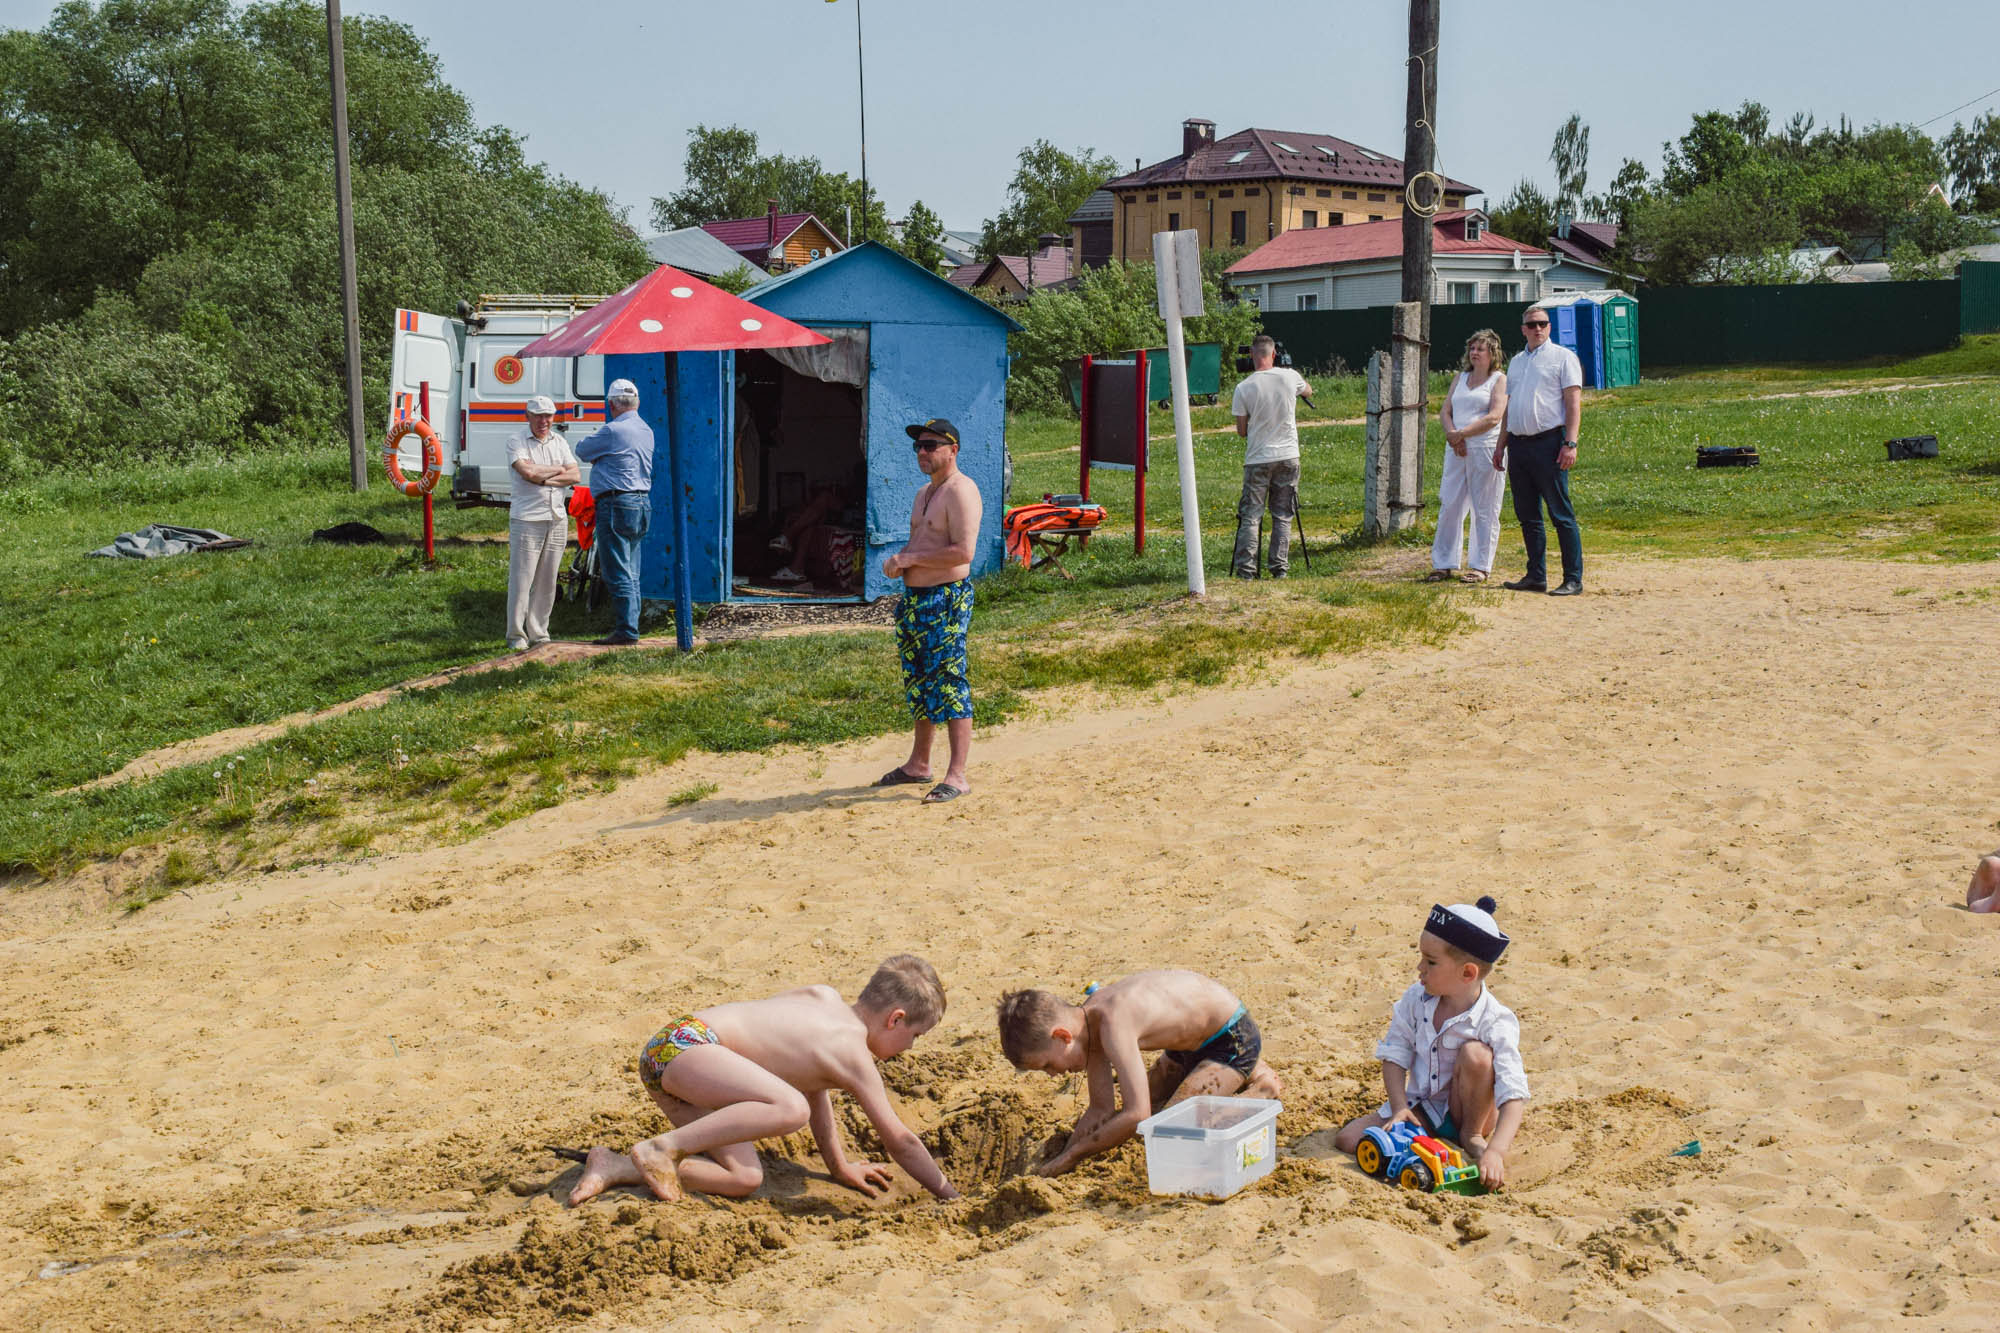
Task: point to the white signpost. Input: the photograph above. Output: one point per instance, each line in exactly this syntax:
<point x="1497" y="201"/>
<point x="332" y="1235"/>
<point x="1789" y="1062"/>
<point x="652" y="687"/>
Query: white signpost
<point x="1177" y="275"/>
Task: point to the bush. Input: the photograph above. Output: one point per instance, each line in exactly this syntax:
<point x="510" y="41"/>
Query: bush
<point x="104" y="388"/>
<point x="1112" y="309"/>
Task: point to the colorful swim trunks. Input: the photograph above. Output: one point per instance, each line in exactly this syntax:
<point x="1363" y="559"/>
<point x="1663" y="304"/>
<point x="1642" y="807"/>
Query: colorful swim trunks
<point x="669" y="1042"/>
<point x="931" y="625"/>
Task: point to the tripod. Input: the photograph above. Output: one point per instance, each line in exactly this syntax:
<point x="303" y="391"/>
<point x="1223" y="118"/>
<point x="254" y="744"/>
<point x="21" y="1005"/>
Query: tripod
<point x="1298" y="529"/>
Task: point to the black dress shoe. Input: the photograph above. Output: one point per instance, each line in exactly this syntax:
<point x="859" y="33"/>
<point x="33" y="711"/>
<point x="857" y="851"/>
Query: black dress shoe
<point x="1569" y="588"/>
<point x="1525" y="585"/>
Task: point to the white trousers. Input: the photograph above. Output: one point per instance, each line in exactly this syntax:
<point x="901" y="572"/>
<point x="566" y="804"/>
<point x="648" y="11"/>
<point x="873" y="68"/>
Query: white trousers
<point x="1472" y="486"/>
<point x="534" y="558"/>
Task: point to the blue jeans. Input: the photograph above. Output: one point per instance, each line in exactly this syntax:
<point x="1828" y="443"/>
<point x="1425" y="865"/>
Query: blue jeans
<point x="623" y="518"/>
<point x="1537" y="481"/>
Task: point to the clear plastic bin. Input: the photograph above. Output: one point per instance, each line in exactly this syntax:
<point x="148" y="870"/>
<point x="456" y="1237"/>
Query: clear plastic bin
<point x="1211" y="1146"/>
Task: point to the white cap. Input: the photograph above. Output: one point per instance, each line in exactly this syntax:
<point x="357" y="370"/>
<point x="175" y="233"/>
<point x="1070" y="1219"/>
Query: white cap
<point x="540" y="405"/>
<point x="621" y="389"/>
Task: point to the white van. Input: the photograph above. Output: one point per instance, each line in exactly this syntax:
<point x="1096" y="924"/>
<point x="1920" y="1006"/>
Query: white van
<point x="478" y="387"/>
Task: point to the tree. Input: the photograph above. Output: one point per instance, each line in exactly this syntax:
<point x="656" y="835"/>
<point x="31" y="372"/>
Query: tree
<point x="1627" y="188"/>
<point x="923" y="237"/>
<point x="1973" y="158"/>
<point x="728" y="177"/>
<point x="1049" y="185"/>
<point x="1571" y="156"/>
<point x="1526" y="215"/>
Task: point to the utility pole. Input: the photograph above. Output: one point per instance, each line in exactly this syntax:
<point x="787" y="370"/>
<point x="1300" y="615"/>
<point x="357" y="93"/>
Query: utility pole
<point x="337" y="73"/>
<point x="861" y="98"/>
<point x="1421" y="188"/>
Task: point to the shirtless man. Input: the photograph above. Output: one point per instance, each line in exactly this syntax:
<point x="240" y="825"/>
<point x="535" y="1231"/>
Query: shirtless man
<point x="758" y="1069"/>
<point x="936" y="610"/>
<point x="1208" y="1043"/>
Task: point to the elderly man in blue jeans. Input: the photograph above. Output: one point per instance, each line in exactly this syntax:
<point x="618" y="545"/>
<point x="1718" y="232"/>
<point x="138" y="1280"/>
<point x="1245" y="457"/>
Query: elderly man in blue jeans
<point x="621" y="483"/>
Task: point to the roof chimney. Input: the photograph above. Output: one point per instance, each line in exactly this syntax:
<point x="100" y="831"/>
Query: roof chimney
<point x="1196" y="134"/>
<point x="770" y="225"/>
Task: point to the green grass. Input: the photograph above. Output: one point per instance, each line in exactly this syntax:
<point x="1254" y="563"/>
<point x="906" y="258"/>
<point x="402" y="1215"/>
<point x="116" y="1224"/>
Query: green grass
<point x="106" y="660"/>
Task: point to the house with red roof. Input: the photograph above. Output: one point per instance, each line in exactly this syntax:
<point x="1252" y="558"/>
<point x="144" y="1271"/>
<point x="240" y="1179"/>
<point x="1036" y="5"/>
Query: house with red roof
<point x="1012" y="275"/>
<point x="1255" y="185"/>
<point x="777" y="241"/>
<point x="1355" y="267"/>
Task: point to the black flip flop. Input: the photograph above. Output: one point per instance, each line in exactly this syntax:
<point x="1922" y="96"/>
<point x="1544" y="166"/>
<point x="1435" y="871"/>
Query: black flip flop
<point x="569" y="1154"/>
<point x="941" y="793"/>
<point x="896" y="777"/>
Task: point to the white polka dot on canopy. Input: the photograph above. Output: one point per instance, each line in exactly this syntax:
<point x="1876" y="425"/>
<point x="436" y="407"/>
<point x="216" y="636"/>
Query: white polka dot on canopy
<point x="651" y="325"/>
<point x="752" y="325"/>
<point x="683" y="292"/>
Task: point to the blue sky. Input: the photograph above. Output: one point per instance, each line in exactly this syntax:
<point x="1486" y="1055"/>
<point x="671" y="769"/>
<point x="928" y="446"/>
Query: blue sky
<point x="605" y="90"/>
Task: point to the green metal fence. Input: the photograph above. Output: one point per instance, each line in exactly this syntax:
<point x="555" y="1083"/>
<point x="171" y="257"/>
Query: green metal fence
<point x="1978" y="298"/>
<point x="1682" y="326"/>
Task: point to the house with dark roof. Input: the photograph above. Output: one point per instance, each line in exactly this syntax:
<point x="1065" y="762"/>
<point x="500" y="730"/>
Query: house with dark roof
<point x="1091" y="228"/>
<point x="1256" y="185"/>
<point x="692" y="250"/>
<point x="777" y="241"/>
<point x="1012" y="276"/>
<point x="1582" y="252"/>
<point x="1355" y="267"/>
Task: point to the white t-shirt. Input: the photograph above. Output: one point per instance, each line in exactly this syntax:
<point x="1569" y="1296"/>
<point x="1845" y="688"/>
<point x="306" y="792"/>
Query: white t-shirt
<point x="1267" y="398"/>
<point x="532" y="502"/>
<point x="1536" y="378"/>
<point x="1470" y="402"/>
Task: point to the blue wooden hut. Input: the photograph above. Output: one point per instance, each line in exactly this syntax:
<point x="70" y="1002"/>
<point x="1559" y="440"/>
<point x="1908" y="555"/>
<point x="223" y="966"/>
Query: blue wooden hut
<point x="796" y="468"/>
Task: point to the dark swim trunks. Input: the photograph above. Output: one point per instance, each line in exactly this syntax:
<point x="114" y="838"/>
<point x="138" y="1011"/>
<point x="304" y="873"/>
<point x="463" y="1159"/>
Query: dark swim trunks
<point x="1236" y="1043"/>
<point x="931" y="625"/>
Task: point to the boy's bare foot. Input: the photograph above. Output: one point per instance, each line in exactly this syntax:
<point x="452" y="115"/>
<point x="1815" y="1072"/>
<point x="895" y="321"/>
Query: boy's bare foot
<point x="1263" y="1082"/>
<point x="659" y="1167"/>
<point x="1983" y="895"/>
<point x="602" y="1168"/>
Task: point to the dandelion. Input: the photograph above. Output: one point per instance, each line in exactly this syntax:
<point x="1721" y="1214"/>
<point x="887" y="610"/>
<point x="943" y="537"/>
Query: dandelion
<point x="216" y="774"/>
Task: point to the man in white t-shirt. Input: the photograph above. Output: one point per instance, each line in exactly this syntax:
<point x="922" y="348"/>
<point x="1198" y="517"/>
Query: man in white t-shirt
<point x="537" y="524"/>
<point x="1538" y="448"/>
<point x="1265" y="406"/>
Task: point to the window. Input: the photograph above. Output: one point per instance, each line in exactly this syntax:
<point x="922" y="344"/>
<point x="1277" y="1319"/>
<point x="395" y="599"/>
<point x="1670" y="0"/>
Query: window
<point x="1238" y="156"/>
<point x="1154" y="198"/>
<point x="1247" y="193"/>
<point x="1506" y="291"/>
<point x="1225" y="194"/>
<point x="1472" y="229"/>
<point x="1323" y="194"/>
<point x="1335" y="219"/>
<point x="1239" y="228"/>
<point x="1329" y="153"/>
<point x="1374" y="217"/>
<point x="1201" y="194"/>
<point x="1173" y="222"/>
<point x="1374" y="198"/>
<point x="1173" y="194"/>
<point x="1310" y="218"/>
<point x="1461" y="293"/>
<point x="1308" y="301"/>
<point x="1255" y="298"/>
<point x="1287" y="147"/>
<point x="1349" y="194"/>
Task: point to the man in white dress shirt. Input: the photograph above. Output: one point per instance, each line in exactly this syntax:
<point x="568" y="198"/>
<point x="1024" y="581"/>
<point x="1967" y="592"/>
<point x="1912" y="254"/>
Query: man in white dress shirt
<point x="537" y="524"/>
<point x="1538" y="448"/>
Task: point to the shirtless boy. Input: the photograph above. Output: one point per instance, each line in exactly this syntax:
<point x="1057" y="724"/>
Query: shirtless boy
<point x="729" y="1075"/>
<point x="935" y="611"/>
<point x="1208" y="1043"/>
<point x="1983" y="894"/>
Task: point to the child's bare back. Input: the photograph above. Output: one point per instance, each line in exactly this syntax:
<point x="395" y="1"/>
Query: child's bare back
<point x="808" y="1037"/>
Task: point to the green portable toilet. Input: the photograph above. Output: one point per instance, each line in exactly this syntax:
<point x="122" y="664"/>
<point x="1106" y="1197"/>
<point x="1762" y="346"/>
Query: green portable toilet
<point x="1619" y="315"/>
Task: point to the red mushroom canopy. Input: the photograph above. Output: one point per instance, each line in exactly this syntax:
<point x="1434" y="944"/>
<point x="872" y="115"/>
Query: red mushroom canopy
<point x="671" y="311"/>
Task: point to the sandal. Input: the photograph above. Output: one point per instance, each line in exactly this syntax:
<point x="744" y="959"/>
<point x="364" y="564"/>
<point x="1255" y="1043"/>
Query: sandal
<point x="941" y="793"/>
<point x="896" y="777"/>
<point x="1473" y="576"/>
<point x="1437" y="576"/>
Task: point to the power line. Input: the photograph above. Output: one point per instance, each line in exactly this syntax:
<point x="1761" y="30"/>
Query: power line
<point x="1960" y="107"/>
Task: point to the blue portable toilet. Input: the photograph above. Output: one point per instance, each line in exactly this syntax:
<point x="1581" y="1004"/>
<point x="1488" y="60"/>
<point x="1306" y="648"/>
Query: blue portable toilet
<point x="797" y="470"/>
<point x="1577" y="323"/>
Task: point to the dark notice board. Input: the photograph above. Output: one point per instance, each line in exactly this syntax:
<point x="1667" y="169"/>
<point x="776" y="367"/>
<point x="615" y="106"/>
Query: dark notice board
<point x="1116" y="423"/>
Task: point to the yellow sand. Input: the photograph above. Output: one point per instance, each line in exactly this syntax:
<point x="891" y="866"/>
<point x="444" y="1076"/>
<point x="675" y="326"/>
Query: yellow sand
<point x="1728" y="810"/>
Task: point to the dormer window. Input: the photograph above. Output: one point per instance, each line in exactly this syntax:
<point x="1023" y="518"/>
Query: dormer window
<point x="1473" y="228"/>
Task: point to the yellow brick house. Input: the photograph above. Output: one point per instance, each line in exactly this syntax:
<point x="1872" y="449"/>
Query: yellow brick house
<point x="1255" y="185"/>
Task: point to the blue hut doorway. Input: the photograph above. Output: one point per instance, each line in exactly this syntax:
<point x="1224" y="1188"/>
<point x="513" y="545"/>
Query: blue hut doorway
<point x="799" y="476"/>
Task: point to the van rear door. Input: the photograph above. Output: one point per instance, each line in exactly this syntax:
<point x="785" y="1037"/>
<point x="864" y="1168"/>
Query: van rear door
<point x="428" y="348"/>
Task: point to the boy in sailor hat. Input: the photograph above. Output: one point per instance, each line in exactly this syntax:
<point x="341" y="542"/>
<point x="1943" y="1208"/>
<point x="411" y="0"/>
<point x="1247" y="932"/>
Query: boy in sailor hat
<point x="1451" y="1060"/>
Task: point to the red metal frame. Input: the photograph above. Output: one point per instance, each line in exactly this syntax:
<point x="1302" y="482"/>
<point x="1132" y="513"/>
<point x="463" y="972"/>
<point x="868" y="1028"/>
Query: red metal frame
<point x="1083" y="479"/>
<point x="1139" y="471"/>
<point x="424" y="411"/>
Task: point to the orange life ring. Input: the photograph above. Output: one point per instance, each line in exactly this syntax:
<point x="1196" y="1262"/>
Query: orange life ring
<point x="433" y="457"/>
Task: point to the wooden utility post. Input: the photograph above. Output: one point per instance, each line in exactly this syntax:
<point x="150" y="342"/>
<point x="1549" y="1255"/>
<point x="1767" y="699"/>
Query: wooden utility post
<point x="1393" y="469"/>
<point x="344" y="207"/>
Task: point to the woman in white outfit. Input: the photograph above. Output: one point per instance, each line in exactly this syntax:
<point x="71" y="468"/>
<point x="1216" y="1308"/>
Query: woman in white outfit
<point x="537" y="524"/>
<point x="1471" y="418"/>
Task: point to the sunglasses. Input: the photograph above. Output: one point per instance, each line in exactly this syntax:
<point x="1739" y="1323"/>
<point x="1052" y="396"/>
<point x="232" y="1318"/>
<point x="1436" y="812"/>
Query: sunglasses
<point x="1534" y="323"/>
<point x="925" y="446"/>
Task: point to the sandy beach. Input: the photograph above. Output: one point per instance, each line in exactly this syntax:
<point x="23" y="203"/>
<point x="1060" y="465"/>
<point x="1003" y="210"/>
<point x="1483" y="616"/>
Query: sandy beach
<point x="1728" y="810"/>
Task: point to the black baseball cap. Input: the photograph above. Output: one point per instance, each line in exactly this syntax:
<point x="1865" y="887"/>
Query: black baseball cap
<point x="935" y="426"/>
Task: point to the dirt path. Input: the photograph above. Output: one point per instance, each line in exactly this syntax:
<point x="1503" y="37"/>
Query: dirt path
<point x="1728" y="809"/>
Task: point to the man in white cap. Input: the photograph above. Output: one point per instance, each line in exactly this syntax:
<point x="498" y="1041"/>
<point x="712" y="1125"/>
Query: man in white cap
<point x="621" y="483"/>
<point x="537" y="524"/>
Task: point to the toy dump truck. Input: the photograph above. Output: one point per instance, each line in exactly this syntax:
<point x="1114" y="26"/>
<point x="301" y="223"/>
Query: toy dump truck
<point x="1404" y="1154"/>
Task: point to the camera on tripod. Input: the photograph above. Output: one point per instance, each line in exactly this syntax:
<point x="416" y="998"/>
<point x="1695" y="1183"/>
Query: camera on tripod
<point x="1244" y="366"/>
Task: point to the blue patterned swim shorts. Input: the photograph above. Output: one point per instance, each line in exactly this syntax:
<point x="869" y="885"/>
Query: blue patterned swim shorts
<point x="931" y="624"/>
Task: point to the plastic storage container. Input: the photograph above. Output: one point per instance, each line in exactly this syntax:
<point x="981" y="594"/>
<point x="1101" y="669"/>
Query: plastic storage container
<point x="1211" y="1146"/>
